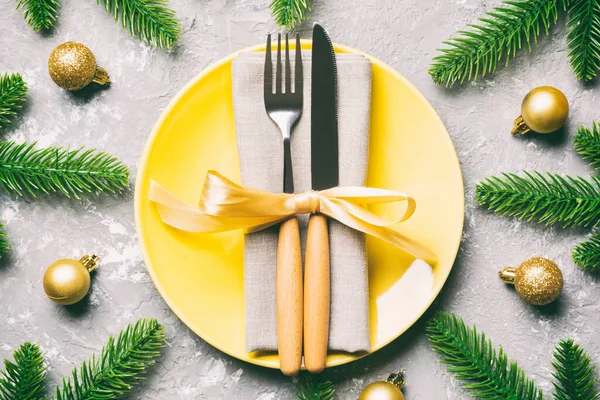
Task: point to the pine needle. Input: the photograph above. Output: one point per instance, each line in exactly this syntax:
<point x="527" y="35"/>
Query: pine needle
<point x="39" y="14"/>
<point x="149" y="20"/>
<point x="13" y="92"/>
<point x="25" y="378"/>
<point x="74" y="173"/>
<point x="289" y="13"/>
<point x="584" y="38"/>
<point x="119" y="366"/>
<point x="587" y="144"/>
<point x="485" y="371"/>
<point x="549" y="198"/>
<point x="499" y="34"/>
<point x="315" y="388"/>
<point x="574" y="375"/>
<point x="587" y="254"/>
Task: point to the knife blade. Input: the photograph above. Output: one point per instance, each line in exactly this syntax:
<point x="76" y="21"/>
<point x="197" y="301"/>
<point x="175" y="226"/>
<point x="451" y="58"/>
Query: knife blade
<point x="324" y="175"/>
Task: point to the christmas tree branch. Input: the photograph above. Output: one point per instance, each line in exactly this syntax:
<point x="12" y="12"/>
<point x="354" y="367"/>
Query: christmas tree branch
<point x="500" y="33"/>
<point x="473" y="360"/>
<point x="574" y="373"/>
<point x="119" y="366"/>
<point x="315" y="388"/>
<point x="587" y="144"/>
<point x="587" y="254"/>
<point x="39" y="14"/>
<point x="549" y="198"/>
<point x="13" y="92"/>
<point x="584" y="38"/>
<point x="289" y="13"/>
<point x="4" y="246"/>
<point x="25" y="378"/>
<point x="74" y="173"/>
<point x="148" y="20"/>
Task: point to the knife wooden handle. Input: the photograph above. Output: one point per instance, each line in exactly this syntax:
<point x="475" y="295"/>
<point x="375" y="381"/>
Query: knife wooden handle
<point x="316" y="294"/>
<point x="289" y="297"/>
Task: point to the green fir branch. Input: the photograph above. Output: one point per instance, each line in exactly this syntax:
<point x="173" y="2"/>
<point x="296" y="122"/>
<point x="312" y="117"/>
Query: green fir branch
<point x="315" y="388"/>
<point x="485" y="371"/>
<point x="584" y="38"/>
<point x="549" y="198"/>
<point x="289" y="13"/>
<point x="587" y="144"/>
<point x="13" y="93"/>
<point x="39" y="14"/>
<point x="25" y="378"/>
<point x="4" y="246"/>
<point x="74" y="173"/>
<point x="499" y="34"/>
<point x="574" y="375"/>
<point x="586" y="255"/>
<point x="119" y="366"/>
<point x="149" y="20"/>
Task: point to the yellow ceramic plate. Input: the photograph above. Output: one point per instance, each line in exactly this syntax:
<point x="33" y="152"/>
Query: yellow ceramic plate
<point x="201" y="276"/>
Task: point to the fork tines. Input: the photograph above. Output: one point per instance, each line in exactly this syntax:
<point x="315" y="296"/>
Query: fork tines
<point x="279" y="73"/>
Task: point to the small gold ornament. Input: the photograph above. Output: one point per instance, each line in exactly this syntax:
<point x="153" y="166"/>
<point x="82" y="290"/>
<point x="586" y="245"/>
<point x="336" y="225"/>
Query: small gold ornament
<point x="388" y="390"/>
<point x="538" y="280"/>
<point x="545" y="109"/>
<point x="72" y="66"/>
<point x="67" y="281"/>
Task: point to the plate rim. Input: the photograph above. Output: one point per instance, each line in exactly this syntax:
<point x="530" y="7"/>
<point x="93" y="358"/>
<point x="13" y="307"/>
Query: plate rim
<point x="142" y="165"/>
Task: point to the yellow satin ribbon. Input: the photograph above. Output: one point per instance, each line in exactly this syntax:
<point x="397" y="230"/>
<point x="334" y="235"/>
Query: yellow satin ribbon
<point x="225" y="206"/>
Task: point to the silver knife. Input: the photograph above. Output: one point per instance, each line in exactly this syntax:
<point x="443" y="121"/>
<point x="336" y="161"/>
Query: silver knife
<point x="324" y="175"/>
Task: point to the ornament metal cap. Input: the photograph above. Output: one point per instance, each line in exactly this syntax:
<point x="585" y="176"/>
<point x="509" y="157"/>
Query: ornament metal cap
<point x="90" y="262"/>
<point x="507" y="274"/>
<point x="397" y="379"/>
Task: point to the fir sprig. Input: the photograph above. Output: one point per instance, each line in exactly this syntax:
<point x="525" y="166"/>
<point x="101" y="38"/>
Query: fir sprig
<point x="4" y="246"/>
<point x="119" y="366"/>
<point x="584" y="38"/>
<point x="587" y="254"/>
<point x="39" y="14"/>
<point x="289" y="13"/>
<point x="550" y="198"/>
<point x="587" y="144"/>
<point x="13" y="92"/>
<point x="315" y="388"/>
<point x="149" y="20"/>
<point x="25" y="378"/>
<point x="500" y="33"/>
<point x="574" y="374"/>
<point x="485" y="371"/>
<point x="74" y="173"/>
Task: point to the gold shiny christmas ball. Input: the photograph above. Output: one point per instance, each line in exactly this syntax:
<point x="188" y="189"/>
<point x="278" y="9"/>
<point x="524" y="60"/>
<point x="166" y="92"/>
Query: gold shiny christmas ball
<point x="538" y="280"/>
<point x="72" y="66"/>
<point x="67" y="281"/>
<point x="545" y="109"/>
<point x="389" y="390"/>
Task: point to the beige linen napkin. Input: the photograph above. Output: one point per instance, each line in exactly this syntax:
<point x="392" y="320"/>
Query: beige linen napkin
<point x="260" y="150"/>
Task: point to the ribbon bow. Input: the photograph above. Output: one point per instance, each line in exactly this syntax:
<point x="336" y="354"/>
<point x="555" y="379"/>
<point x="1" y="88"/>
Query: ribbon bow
<point x="225" y="206"/>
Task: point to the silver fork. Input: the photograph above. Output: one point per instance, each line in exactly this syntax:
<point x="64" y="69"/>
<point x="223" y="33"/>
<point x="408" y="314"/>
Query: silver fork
<point x="285" y="109"/>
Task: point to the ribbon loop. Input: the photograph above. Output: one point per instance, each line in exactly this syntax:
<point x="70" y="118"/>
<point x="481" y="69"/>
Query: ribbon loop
<point x="226" y="206"/>
<point x="307" y="203"/>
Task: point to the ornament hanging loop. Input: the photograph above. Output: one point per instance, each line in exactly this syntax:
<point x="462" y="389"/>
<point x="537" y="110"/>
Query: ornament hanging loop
<point x="90" y="262"/>
<point x="397" y="379"/>
<point x="520" y="126"/>
<point x="507" y="274"/>
<point x="101" y="76"/>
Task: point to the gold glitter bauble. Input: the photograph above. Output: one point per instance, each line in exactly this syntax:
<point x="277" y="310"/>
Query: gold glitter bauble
<point x="389" y="390"/>
<point x="545" y="109"/>
<point x="67" y="281"/>
<point x="538" y="280"/>
<point x="72" y="66"/>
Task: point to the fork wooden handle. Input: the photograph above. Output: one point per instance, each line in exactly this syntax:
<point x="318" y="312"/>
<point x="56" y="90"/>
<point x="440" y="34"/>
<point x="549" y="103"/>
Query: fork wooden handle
<point x="316" y="294"/>
<point x="289" y="297"/>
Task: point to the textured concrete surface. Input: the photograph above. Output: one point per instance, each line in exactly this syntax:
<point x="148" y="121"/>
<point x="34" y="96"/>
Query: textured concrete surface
<point x="403" y="33"/>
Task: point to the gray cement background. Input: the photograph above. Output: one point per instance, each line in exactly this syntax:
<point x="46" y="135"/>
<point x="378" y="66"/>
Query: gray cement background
<point x="403" y="33"/>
